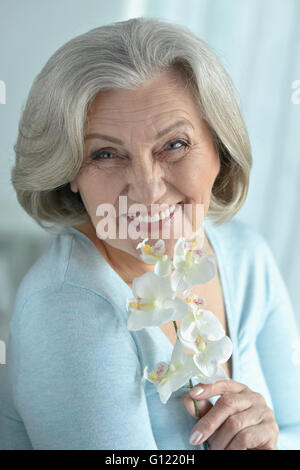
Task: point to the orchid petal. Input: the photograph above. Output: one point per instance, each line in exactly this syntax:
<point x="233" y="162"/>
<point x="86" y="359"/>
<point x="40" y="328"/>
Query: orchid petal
<point x="138" y="319"/>
<point x="159" y="248"/>
<point x="178" y="281"/>
<point x="205" y="379"/>
<point x="180" y="370"/>
<point x="149" y="285"/>
<point x="206" y="365"/>
<point x="178" y="354"/>
<point x="221" y="349"/>
<point x="163" y="266"/>
<point x="189" y="344"/>
<point x="209" y="325"/>
<point x="201" y="272"/>
<point x="141" y="244"/>
<point x="179" y="307"/>
<point x="188" y="327"/>
<point x="173" y="384"/>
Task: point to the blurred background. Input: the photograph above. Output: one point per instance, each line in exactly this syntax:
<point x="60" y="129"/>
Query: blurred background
<point x="257" y="41"/>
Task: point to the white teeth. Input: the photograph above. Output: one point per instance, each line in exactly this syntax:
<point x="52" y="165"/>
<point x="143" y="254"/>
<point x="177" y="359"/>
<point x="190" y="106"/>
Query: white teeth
<point x="156" y="217"/>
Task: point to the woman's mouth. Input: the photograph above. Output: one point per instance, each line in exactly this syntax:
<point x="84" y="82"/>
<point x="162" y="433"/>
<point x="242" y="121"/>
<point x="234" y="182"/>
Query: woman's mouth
<point x="157" y="221"/>
<point x="155" y="218"/>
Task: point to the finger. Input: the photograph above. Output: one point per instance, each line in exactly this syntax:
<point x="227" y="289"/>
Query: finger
<point x="227" y="405"/>
<point x="233" y="425"/>
<point x="201" y="391"/>
<point x="203" y="405"/>
<point x="254" y="437"/>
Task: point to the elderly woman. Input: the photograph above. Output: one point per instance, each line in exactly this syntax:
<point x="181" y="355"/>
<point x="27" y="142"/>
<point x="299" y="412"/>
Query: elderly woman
<point x="140" y="109"/>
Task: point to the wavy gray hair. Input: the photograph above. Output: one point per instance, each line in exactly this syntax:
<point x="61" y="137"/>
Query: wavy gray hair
<point x="124" y="54"/>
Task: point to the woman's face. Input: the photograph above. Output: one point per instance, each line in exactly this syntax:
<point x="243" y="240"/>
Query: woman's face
<point x="128" y="153"/>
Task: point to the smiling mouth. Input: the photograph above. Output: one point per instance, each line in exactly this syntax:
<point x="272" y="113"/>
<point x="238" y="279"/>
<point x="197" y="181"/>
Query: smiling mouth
<point x="160" y="216"/>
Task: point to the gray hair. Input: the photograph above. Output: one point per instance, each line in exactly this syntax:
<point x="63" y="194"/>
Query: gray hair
<point x="124" y="54"/>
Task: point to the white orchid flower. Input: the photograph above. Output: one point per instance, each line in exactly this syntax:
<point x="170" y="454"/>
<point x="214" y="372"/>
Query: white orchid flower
<point x="202" y="332"/>
<point x="220" y="374"/>
<point x="208" y="354"/>
<point x="156" y="255"/>
<point x="170" y="377"/>
<point x="193" y="265"/>
<point x="195" y="301"/>
<point x="154" y="303"/>
<point x="199" y="320"/>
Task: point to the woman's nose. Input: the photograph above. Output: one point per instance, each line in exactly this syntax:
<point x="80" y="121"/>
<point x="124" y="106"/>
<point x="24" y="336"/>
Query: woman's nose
<point x="145" y="182"/>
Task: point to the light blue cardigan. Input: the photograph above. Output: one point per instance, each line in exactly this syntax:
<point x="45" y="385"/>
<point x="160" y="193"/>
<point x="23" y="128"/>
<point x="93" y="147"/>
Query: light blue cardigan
<point x="72" y="378"/>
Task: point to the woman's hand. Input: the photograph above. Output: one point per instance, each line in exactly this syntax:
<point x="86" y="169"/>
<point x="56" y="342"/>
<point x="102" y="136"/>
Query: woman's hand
<point x="239" y="420"/>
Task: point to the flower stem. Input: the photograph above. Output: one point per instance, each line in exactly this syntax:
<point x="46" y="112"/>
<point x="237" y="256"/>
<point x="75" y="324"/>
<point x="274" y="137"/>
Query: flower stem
<point x="190" y="381"/>
<point x="195" y="402"/>
<point x="205" y="444"/>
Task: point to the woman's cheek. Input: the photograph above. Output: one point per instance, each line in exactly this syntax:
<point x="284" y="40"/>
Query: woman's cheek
<point x="193" y="176"/>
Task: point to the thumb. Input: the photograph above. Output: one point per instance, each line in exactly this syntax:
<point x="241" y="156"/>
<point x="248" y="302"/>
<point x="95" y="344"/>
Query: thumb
<point x="203" y="405"/>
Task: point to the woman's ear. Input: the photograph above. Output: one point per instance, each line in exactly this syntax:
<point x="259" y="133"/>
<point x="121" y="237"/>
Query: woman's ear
<point x="73" y="186"/>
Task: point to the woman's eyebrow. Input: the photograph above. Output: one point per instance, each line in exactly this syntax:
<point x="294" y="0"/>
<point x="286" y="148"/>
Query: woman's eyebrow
<point x="160" y="134"/>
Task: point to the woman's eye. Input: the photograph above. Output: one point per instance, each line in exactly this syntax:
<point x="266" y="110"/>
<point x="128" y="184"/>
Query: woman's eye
<point x="182" y="142"/>
<point x="102" y="155"/>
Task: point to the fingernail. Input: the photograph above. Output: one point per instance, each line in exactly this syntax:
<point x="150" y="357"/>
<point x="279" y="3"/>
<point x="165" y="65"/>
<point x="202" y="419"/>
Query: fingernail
<point x="196" y="392"/>
<point x="195" y="436"/>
